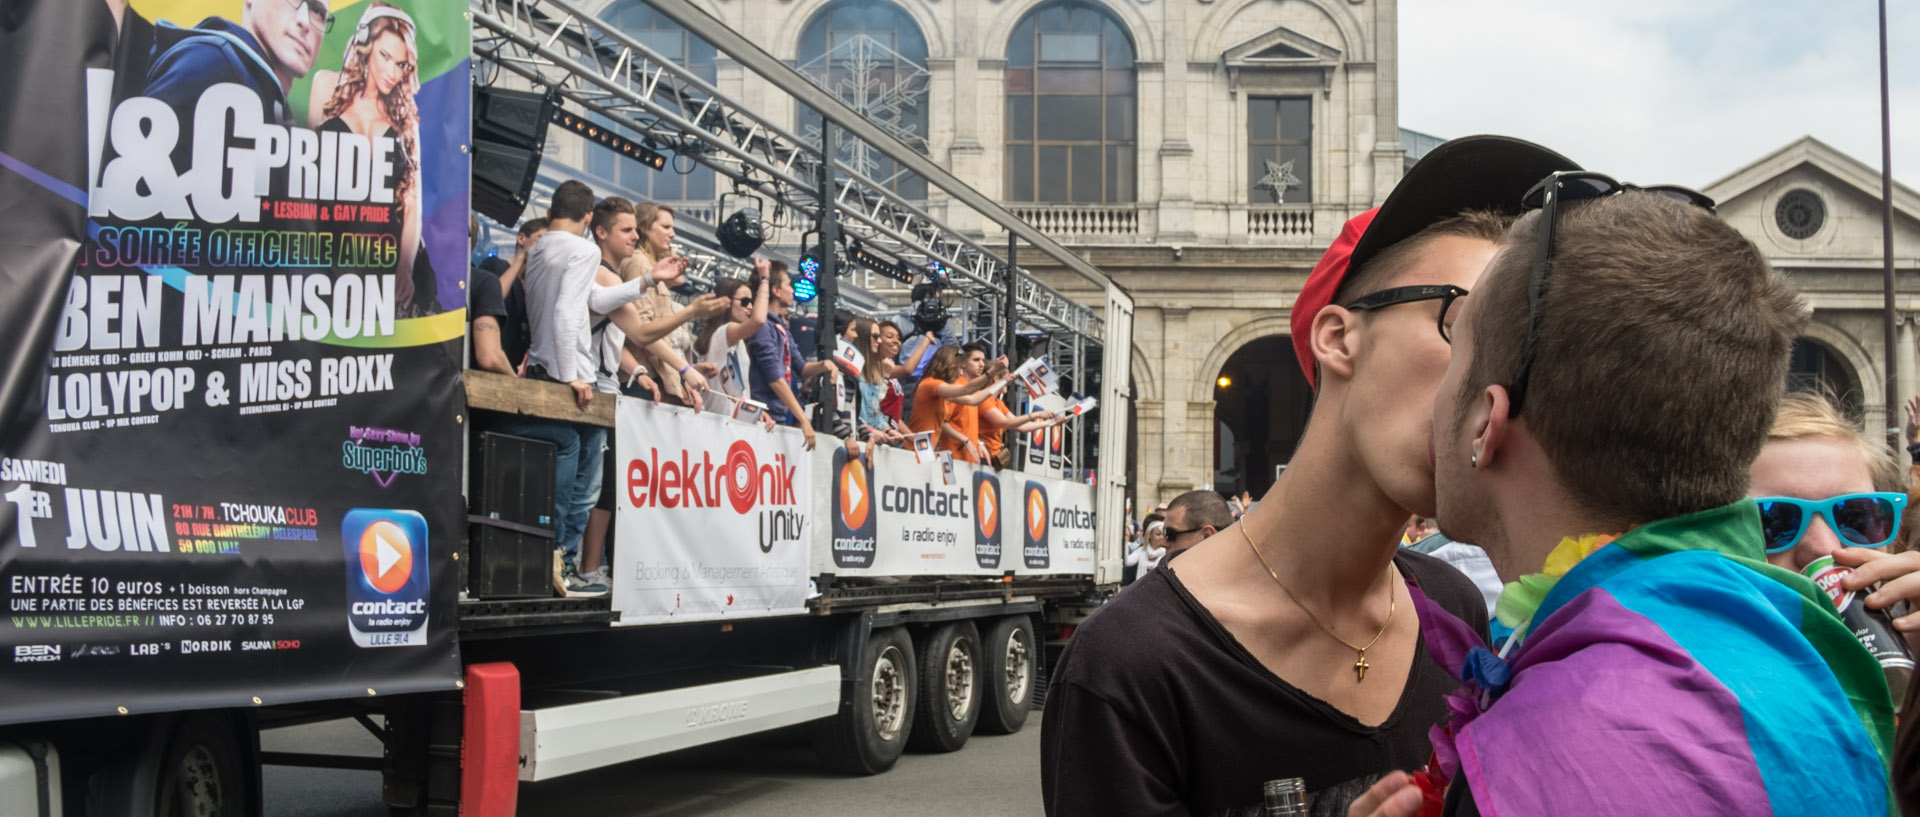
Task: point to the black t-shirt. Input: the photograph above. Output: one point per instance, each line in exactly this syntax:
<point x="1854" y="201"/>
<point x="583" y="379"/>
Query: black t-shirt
<point x="484" y="300"/>
<point x="516" y="334"/>
<point x="1156" y="709"/>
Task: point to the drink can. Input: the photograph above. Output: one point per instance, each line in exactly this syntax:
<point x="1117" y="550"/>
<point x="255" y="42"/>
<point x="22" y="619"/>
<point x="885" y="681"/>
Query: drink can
<point x="1873" y="627"/>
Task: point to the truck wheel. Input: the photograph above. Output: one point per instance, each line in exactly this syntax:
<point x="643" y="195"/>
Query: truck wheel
<point x="198" y="768"/>
<point x="1010" y="669"/>
<point x="869" y="735"/>
<point x="949" y="688"/>
<point x="203" y="773"/>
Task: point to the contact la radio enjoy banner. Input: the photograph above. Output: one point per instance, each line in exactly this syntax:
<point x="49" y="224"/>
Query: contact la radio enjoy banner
<point x="715" y="519"/>
<point x="1053" y="522"/>
<point x="895" y="514"/>
<point x="234" y="240"/>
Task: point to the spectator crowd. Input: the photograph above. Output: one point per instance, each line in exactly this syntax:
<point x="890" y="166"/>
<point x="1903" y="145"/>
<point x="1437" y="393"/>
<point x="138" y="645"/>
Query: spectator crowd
<point x="588" y="301"/>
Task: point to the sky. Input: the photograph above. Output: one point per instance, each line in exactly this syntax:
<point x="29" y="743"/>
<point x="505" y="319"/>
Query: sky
<point x="1663" y="91"/>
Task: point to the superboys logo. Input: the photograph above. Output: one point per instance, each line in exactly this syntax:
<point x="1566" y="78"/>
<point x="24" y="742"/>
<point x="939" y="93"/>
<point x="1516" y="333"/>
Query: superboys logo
<point x="854" y="516"/>
<point x="986" y="518"/>
<point x="1035" y="549"/>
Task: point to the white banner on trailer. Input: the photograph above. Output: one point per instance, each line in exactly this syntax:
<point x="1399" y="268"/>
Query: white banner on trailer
<point x="715" y="519"/>
<point x="1051" y="523"/>
<point x="902" y="517"/>
<point x="898" y="517"/>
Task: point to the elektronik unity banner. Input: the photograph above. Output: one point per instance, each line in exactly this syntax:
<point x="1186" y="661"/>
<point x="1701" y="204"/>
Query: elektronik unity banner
<point x="234" y="240"/>
<point x="716" y="516"/>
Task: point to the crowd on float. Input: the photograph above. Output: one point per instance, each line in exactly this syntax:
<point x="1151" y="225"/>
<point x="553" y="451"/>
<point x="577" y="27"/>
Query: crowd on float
<point x="1555" y="541"/>
<point x="589" y="300"/>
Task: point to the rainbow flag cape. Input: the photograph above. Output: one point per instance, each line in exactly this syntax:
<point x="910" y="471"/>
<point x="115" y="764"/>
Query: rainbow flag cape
<point x="1671" y="672"/>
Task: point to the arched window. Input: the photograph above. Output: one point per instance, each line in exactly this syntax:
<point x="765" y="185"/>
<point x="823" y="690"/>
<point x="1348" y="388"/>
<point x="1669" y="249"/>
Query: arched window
<point x="683" y="180"/>
<point x="1815" y="368"/>
<point x="1071" y="109"/>
<point x="872" y="56"/>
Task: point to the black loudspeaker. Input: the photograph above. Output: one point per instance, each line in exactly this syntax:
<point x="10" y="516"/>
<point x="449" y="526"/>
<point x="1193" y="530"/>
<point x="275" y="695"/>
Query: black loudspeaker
<point x="509" y="135"/>
<point x="513" y="518"/>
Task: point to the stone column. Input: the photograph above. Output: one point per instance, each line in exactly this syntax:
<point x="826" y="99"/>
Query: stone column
<point x="1174" y="128"/>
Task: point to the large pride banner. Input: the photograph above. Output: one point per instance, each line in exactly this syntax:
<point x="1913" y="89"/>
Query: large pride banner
<point x="234" y="242"/>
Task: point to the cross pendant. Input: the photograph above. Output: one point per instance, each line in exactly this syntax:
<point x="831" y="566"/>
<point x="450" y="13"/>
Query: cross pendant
<point x="1360" y="667"/>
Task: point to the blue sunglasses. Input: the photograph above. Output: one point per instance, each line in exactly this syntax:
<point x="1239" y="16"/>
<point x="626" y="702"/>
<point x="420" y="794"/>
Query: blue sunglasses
<point x="1869" y="520"/>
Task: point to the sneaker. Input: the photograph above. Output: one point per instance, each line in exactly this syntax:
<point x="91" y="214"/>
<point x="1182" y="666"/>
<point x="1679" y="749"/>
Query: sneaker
<point x="598" y="575"/>
<point x="581" y="586"/>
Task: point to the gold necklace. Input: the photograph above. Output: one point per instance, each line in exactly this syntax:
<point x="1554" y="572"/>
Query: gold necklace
<point x="1359" y="666"/>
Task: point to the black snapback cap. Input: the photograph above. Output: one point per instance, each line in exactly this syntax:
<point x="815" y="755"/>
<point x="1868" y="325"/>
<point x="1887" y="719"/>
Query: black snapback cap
<point x="1482" y="172"/>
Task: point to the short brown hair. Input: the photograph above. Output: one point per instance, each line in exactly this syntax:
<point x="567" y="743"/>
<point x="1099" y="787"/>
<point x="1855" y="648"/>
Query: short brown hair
<point x="572" y="201"/>
<point x="531" y="226"/>
<point x="1660" y="358"/>
<point x="1204" y="507"/>
<point x="1394" y="261"/>
<point x="608" y="211"/>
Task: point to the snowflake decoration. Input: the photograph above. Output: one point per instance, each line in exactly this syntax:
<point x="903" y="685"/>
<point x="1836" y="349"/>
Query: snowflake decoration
<point x="881" y="85"/>
<point x="1279" y="179"/>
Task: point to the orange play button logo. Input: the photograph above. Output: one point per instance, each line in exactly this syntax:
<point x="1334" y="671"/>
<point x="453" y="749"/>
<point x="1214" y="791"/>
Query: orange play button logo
<point x="987" y="509"/>
<point x="386" y="556"/>
<point x="854" y="494"/>
<point x="1036" y="515"/>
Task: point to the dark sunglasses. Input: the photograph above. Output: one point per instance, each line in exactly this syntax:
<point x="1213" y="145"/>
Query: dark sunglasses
<point x="1445" y="293"/>
<point x="1175" y="533"/>
<point x="1574" y="186"/>
<point x="1868" y="520"/>
<point x="746" y="302"/>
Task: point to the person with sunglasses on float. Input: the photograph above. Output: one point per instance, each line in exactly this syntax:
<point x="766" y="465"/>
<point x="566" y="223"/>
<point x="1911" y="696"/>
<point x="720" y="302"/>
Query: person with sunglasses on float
<point x="1614" y="375"/>
<point x="1287" y="645"/>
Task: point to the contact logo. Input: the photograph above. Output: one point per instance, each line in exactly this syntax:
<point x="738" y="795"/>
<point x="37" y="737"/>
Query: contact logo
<point x="1035" y="549"/>
<point x="986" y="518"/>
<point x="854" y="518"/>
<point x="387" y="577"/>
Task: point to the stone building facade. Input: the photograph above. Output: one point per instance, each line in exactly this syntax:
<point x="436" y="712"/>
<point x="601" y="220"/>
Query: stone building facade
<point x="1203" y="153"/>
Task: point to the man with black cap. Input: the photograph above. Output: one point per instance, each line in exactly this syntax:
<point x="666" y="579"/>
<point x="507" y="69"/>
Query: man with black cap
<point x="1287" y="645"/>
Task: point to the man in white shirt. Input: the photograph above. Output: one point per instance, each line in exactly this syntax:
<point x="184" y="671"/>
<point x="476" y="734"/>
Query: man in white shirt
<point x="560" y="272"/>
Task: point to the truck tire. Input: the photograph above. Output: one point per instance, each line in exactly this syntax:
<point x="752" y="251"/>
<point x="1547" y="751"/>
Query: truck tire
<point x="949" y="688"/>
<point x="1011" y="666"/>
<point x="196" y="765"/>
<point x="869" y="734"/>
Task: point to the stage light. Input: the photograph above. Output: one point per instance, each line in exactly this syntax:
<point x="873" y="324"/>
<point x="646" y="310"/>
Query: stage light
<point x="742" y="232"/>
<point x="881" y="264"/>
<point x="937" y="269"/>
<point x="600" y="135"/>
<point x="1224" y="381"/>
<point x="806" y="280"/>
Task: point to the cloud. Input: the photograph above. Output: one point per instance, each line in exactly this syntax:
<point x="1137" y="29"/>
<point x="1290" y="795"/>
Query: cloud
<point x="1661" y="91"/>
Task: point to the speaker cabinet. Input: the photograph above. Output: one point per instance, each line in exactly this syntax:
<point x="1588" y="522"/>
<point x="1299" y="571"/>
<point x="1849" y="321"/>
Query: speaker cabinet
<point x="513" y="518"/>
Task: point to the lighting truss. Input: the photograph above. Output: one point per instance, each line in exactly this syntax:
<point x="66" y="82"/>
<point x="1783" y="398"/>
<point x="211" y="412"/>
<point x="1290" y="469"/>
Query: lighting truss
<point x="556" y="44"/>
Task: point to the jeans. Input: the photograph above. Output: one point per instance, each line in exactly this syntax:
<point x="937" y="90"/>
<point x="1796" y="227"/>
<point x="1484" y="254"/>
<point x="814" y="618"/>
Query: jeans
<point x="576" y="472"/>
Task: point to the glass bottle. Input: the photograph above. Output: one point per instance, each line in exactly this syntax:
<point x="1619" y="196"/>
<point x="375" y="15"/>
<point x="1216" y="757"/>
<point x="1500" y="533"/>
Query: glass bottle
<point x="1285" y="798"/>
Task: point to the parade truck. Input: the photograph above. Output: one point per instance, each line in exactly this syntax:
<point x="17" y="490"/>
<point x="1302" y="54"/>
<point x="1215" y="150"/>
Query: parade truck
<point x="248" y="483"/>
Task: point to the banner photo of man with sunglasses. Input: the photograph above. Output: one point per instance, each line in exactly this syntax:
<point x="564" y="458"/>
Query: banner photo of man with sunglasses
<point x="1613" y="376"/>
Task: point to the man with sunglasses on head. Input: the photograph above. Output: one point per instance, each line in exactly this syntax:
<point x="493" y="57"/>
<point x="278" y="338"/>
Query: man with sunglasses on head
<point x="1614" y="374"/>
<point x="1287" y="644"/>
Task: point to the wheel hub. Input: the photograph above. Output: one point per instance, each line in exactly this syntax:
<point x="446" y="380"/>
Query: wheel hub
<point x="960" y="679"/>
<point x="1018" y="669"/>
<point x="889" y="695"/>
<point x="196" y="786"/>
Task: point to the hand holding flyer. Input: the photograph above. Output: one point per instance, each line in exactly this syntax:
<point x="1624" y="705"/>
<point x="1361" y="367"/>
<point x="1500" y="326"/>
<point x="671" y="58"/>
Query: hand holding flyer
<point x="849" y="357"/>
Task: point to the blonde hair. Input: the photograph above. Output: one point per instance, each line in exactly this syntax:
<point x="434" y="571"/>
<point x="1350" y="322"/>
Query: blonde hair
<point x="1816" y="415"/>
